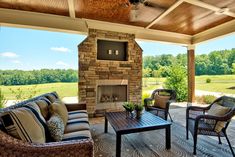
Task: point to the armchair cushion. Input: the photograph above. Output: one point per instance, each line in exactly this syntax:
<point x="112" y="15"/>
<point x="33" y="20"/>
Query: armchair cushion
<point x="56" y="127"/>
<point x="161" y="100"/>
<point x="217" y="110"/>
<point x="59" y="108"/>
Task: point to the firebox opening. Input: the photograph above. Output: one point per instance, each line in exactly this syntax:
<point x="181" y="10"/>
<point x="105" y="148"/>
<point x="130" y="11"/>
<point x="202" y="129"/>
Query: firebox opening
<point x="112" y="93"/>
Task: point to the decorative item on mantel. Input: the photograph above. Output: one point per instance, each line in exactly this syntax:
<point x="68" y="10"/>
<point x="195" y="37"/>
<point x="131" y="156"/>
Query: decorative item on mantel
<point x="129" y="107"/>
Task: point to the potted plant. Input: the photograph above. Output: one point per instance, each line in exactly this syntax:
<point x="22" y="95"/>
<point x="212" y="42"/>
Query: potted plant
<point x="138" y="108"/>
<point x="129" y="107"/>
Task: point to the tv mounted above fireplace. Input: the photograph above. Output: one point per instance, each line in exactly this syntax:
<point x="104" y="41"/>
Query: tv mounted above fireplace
<point x="112" y="50"/>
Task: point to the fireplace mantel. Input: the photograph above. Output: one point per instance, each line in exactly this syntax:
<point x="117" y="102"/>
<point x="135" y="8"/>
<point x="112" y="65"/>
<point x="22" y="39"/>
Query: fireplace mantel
<point x="111" y="82"/>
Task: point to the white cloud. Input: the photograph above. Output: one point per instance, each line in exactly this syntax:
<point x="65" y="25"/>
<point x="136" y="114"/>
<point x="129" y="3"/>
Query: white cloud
<point x="9" y="54"/>
<point x="62" y="63"/>
<point x="60" y="49"/>
<point x="16" y="61"/>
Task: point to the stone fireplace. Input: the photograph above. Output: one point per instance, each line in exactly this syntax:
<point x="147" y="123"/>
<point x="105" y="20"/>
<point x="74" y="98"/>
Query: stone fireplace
<point x="110" y="70"/>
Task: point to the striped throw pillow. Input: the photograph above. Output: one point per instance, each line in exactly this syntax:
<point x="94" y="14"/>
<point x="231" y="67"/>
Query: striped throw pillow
<point x="24" y="123"/>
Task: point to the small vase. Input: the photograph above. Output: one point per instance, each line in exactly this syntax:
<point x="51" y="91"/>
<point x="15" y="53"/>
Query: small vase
<point x="138" y="114"/>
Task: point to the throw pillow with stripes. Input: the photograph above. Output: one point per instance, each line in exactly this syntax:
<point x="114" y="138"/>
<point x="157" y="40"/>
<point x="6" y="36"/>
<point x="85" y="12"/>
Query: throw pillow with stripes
<point x="25" y="124"/>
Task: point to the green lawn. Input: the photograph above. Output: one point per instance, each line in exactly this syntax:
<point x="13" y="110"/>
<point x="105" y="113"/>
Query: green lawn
<point x="63" y="89"/>
<point x="219" y="83"/>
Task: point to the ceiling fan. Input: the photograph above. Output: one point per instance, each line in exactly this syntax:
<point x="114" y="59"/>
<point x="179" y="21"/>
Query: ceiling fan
<point x="142" y="10"/>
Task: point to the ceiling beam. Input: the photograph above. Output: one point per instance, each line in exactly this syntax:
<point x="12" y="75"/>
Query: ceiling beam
<point x="215" y="32"/>
<point x="25" y="19"/>
<point x="71" y="9"/>
<point x="165" y="13"/>
<point x="209" y="6"/>
<point x="141" y="33"/>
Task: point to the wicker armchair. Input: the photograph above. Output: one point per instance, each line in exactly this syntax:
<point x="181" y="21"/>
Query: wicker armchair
<point x="164" y="96"/>
<point x="197" y="121"/>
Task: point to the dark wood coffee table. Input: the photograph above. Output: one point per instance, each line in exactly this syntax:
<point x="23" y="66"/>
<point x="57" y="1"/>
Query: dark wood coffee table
<point x="123" y="125"/>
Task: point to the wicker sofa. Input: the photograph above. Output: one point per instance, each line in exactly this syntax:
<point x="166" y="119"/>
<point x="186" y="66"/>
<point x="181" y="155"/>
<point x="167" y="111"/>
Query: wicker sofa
<point x="73" y="145"/>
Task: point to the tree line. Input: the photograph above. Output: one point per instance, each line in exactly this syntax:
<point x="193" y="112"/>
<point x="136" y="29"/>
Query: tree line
<point x="215" y="63"/>
<point x="20" y="77"/>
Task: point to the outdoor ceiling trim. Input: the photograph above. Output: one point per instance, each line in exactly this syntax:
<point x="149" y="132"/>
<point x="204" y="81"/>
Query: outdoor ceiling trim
<point x="141" y="32"/>
<point x="165" y="13"/>
<point x="218" y="31"/>
<point x="209" y="6"/>
<point x="71" y="9"/>
<point x="26" y="19"/>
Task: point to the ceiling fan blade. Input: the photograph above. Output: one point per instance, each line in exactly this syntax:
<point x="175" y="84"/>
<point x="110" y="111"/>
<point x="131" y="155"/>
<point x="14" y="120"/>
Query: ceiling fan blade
<point x="144" y="13"/>
<point x="152" y="3"/>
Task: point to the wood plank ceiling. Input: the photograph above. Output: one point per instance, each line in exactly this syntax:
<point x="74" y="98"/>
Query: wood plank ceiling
<point x="185" y="17"/>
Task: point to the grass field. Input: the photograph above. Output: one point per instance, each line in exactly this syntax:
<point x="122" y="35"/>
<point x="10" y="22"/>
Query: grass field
<point x="219" y="83"/>
<point x="63" y="89"/>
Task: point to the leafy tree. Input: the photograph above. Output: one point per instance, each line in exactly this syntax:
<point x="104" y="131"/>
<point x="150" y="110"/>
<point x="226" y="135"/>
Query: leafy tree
<point x="233" y="68"/>
<point x="177" y="81"/>
<point x="19" y="77"/>
<point x="146" y="72"/>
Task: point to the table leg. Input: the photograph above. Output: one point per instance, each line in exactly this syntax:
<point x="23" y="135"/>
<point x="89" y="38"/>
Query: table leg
<point x="106" y="125"/>
<point x="168" y="137"/>
<point x="118" y="145"/>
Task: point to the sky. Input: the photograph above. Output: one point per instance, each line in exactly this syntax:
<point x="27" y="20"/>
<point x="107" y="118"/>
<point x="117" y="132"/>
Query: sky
<point x="28" y="49"/>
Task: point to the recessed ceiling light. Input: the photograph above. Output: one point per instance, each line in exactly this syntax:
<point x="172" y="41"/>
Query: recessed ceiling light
<point x="222" y="11"/>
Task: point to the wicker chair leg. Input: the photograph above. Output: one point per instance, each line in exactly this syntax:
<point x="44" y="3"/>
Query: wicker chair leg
<point x="219" y="139"/>
<point x="230" y="146"/>
<point x="195" y="144"/>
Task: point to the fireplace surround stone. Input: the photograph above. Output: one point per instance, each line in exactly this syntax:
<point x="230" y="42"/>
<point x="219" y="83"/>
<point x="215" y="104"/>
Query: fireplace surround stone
<point x="93" y="71"/>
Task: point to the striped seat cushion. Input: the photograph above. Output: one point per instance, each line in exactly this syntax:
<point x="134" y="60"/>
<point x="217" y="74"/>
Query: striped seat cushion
<point x="84" y="134"/>
<point x="79" y="124"/>
<point x="77" y="114"/>
<point x="25" y="123"/>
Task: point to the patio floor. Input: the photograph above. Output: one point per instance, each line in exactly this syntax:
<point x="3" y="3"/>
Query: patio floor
<point x="178" y="111"/>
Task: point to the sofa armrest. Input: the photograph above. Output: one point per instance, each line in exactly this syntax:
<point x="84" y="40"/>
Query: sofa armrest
<point x="76" y="106"/>
<point x="10" y="146"/>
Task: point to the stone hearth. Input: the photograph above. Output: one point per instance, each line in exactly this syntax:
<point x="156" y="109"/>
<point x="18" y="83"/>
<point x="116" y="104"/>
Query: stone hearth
<point x="93" y="72"/>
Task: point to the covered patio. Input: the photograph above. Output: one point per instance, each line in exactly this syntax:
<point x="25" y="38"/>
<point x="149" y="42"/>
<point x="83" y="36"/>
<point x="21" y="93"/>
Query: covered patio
<point x="183" y="22"/>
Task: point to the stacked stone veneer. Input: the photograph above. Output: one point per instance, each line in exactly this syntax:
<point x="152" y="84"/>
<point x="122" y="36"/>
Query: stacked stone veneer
<point x="91" y="69"/>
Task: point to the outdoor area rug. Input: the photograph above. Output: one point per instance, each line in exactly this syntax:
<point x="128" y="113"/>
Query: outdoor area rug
<point x="152" y="144"/>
